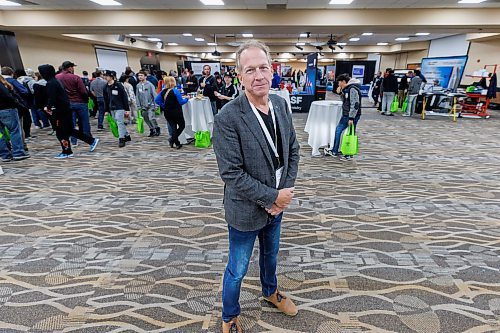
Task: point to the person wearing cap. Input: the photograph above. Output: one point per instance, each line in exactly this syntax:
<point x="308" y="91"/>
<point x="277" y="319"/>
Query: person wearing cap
<point x="78" y="97"/>
<point x="58" y="107"/>
<point x="145" y="94"/>
<point x="228" y="91"/>
<point x="116" y="103"/>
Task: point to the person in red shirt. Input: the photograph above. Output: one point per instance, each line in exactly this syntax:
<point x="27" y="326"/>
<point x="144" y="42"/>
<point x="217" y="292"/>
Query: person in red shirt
<point x="78" y="98"/>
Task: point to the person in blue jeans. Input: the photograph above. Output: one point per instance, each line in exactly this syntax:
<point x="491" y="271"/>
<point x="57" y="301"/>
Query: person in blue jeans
<point x="351" y="110"/>
<point x="78" y="98"/>
<point x="97" y="88"/>
<point x="9" y="120"/>
<point x="258" y="155"/>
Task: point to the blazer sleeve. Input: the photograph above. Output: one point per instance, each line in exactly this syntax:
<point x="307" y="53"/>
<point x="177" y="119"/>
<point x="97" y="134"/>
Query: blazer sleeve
<point x="227" y="148"/>
<point x="293" y="153"/>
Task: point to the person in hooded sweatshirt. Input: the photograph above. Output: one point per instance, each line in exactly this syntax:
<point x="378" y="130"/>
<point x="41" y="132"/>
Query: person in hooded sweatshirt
<point x="58" y="106"/>
<point x="351" y="110"/>
<point x="116" y="103"/>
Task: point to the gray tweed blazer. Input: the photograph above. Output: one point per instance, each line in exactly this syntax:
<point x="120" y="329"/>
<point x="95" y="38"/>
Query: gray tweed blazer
<point x="245" y="163"/>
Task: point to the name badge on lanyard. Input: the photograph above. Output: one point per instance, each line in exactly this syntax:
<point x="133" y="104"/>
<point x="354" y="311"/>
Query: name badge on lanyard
<point x="279" y="172"/>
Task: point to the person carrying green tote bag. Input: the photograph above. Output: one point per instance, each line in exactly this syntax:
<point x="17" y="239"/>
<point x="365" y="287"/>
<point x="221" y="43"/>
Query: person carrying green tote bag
<point x="395" y="105"/>
<point x="112" y="125"/>
<point x="349" y="145"/>
<point x="140" y="123"/>
<point x="202" y="139"/>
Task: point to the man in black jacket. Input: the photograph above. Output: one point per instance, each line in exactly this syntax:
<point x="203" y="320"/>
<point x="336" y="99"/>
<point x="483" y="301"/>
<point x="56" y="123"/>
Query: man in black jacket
<point x="60" y="110"/>
<point x="116" y="103"/>
<point x="390" y="87"/>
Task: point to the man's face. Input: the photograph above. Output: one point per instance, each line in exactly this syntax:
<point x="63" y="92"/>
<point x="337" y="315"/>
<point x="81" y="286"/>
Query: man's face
<point x="342" y="84"/>
<point x="256" y="73"/>
<point x="142" y="77"/>
<point x="109" y="78"/>
<point x="206" y="70"/>
<point x="228" y="80"/>
<point x="71" y="70"/>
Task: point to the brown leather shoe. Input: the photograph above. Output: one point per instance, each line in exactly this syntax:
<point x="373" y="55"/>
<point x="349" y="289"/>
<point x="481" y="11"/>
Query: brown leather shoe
<point x="282" y="303"/>
<point x="232" y="327"/>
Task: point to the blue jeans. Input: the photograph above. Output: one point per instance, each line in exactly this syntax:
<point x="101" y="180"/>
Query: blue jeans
<point x="102" y="110"/>
<point x="240" y="251"/>
<point x="39" y="118"/>
<point x="10" y="119"/>
<point x="80" y="117"/>
<point x="343" y="124"/>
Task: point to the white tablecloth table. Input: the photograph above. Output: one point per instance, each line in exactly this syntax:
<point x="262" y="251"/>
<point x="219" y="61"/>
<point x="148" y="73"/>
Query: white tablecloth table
<point x="285" y="94"/>
<point x="198" y="117"/>
<point x="321" y="124"/>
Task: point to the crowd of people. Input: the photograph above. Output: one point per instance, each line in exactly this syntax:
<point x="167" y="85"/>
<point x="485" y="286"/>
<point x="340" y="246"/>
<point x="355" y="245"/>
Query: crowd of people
<point x="63" y="103"/>
<point x="386" y="88"/>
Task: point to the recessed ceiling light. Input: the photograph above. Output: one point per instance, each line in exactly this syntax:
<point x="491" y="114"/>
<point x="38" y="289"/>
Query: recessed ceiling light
<point x="368" y="34"/>
<point x="107" y="2"/>
<point x="422" y="34"/>
<point x="212" y="2"/>
<point x="247" y="35"/>
<point x="300" y="44"/>
<point x="187" y="34"/>
<point x="355" y="39"/>
<point x="471" y="1"/>
<point x="172" y="44"/>
<point x="212" y="44"/>
<point x="403" y="38"/>
<point x="198" y="39"/>
<point x="303" y="35"/>
<point x="341" y="2"/>
<point x="342" y="44"/>
<point x="382" y="44"/>
<point x="135" y="35"/>
<point x="8" y="3"/>
<point x="153" y="39"/>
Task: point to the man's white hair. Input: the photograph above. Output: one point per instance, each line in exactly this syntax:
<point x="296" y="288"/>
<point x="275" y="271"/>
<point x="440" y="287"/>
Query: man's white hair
<point x="249" y="45"/>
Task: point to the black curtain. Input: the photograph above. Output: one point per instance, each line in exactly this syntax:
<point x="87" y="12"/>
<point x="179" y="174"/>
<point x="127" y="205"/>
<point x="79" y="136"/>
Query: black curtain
<point x="10" y="56"/>
<point x="345" y="67"/>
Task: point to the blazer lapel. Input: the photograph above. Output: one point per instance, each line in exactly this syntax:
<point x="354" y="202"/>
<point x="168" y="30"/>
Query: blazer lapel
<point x="254" y="126"/>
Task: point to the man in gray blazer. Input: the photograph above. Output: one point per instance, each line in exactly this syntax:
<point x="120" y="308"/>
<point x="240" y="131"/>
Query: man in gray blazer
<point x="258" y="156"/>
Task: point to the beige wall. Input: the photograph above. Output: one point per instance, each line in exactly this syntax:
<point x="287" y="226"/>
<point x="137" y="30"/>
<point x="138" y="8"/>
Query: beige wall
<point x="37" y="50"/>
<point x="400" y="60"/>
<point x="168" y="62"/>
<point x="480" y="54"/>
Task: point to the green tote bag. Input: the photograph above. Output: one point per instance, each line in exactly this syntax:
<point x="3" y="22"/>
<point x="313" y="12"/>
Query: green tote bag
<point x="202" y="139"/>
<point x="405" y="105"/>
<point x="112" y="125"/>
<point x="395" y="104"/>
<point x="140" y="123"/>
<point x="349" y="145"/>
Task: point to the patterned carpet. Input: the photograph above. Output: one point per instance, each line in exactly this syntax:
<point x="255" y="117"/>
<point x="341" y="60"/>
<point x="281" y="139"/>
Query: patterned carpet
<point x="406" y="238"/>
